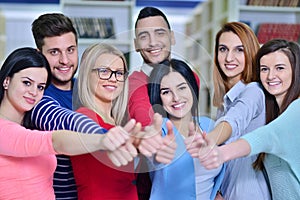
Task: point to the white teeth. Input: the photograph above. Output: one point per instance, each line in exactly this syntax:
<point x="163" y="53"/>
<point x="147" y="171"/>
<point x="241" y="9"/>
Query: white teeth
<point x="155" y="51"/>
<point x="63" y="68"/>
<point x="230" y="66"/>
<point x="178" y="105"/>
<point x="274" y="83"/>
<point x="110" y="87"/>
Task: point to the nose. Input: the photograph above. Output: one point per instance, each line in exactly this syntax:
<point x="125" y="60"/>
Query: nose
<point x="271" y="74"/>
<point x="175" y="96"/>
<point x="33" y="90"/>
<point x="113" y="77"/>
<point x="152" y="39"/>
<point x="64" y="58"/>
<point x="229" y="56"/>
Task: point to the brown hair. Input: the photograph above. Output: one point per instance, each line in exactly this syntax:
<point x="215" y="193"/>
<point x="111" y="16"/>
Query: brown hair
<point x="251" y="46"/>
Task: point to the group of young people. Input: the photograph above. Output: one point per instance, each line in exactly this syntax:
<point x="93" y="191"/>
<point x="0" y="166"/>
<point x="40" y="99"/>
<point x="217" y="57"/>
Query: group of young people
<point x="108" y="134"/>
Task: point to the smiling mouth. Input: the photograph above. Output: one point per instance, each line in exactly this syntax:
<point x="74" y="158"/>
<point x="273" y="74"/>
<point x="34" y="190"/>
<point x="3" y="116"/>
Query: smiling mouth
<point x="230" y="66"/>
<point x="179" y="105"/>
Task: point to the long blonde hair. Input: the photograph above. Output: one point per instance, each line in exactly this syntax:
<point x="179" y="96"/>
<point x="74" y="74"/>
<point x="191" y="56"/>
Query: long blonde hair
<point x="85" y="94"/>
<point x="251" y="46"/>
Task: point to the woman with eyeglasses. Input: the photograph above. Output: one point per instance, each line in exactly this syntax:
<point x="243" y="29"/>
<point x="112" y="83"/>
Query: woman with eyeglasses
<point x="103" y="96"/>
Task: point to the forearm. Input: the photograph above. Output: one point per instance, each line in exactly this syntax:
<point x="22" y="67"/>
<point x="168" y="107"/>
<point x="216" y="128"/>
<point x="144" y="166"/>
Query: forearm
<point x="221" y="133"/>
<point x="72" y="143"/>
<point x="237" y="149"/>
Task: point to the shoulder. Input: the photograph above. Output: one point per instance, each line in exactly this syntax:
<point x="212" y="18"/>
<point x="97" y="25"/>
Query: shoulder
<point x="206" y="123"/>
<point x="138" y="76"/>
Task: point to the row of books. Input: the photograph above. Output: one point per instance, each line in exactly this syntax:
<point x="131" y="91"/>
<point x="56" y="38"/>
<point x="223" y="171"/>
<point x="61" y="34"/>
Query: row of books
<point x="87" y="27"/>
<point x="284" y="3"/>
<point x="268" y="31"/>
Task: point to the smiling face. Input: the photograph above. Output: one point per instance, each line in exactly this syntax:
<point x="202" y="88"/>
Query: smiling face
<point x="276" y="74"/>
<point x="153" y="39"/>
<point x="107" y="90"/>
<point x="231" y="56"/>
<point x="62" y="55"/>
<point x="25" y="89"/>
<point x="177" y="99"/>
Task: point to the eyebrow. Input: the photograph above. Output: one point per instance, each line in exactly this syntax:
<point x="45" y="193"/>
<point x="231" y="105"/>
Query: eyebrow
<point x="180" y="84"/>
<point x="155" y="30"/>
<point x="26" y="77"/>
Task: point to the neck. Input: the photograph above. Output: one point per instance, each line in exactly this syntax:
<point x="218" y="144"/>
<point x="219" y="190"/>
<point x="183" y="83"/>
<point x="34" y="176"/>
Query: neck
<point x="63" y="86"/>
<point x="11" y="116"/>
<point x="182" y="124"/>
<point x="104" y="110"/>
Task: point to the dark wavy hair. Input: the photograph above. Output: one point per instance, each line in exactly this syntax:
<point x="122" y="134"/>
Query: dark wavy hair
<point x="21" y="59"/>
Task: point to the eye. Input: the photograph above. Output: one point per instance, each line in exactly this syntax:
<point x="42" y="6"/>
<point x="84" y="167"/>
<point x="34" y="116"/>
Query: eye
<point x="54" y="52"/>
<point x="164" y="92"/>
<point x="103" y="70"/>
<point x="41" y="87"/>
<point x="120" y="73"/>
<point x="143" y="36"/>
<point x="279" y="68"/>
<point x="27" y="83"/>
<point x="161" y="33"/>
<point x="182" y="87"/>
<point x="263" y="69"/>
<point x="222" y="49"/>
<point x="240" y="49"/>
<point x="71" y="50"/>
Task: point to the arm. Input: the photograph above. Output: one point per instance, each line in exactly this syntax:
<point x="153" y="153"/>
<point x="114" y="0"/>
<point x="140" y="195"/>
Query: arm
<point x="74" y="143"/>
<point x="48" y="114"/>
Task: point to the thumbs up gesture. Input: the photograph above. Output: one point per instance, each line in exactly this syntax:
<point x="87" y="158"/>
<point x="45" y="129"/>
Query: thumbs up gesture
<point x="195" y="140"/>
<point x="167" y="150"/>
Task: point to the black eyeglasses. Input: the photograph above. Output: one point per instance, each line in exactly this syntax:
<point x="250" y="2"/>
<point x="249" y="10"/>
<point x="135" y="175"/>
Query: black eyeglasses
<point x="106" y="73"/>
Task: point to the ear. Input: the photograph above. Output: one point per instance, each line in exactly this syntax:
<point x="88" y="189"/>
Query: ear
<point x="136" y="45"/>
<point x="6" y="83"/>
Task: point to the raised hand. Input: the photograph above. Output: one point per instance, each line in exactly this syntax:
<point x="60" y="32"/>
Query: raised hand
<point x="117" y="136"/>
<point x="167" y="151"/>
<point x="209" y="155"/>
<point x="194" y="141"/>
<point x="152" y="139"/>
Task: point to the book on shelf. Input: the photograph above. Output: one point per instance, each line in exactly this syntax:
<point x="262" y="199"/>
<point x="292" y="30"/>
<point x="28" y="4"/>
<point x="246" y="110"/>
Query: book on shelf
<point x="88" y="27"/>
<point x="281" y="3"/>
<point x="268" y="31"/>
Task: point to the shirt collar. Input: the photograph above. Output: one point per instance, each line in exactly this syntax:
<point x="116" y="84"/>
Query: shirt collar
<point x="147" y="69"/>
<point x="234" y="92"/>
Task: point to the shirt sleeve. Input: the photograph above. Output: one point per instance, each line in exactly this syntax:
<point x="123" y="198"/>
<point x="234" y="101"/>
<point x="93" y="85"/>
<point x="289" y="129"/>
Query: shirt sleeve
<point x="246" y="107"/>
<point x="280" y="137"/>
<point x="48" y="114"/>
<point x="18" y="141"/>
<point x="139" y="105"/>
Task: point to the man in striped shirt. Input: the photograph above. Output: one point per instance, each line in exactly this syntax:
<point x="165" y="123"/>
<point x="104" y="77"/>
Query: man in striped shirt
<point x="56" y="38"/>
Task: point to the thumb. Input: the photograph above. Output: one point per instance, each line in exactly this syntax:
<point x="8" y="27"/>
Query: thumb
<point x="130" y="125"/>
<point x="191" y="129"/>
<point x="170" y="129"/>
<point x="157" y="121"/>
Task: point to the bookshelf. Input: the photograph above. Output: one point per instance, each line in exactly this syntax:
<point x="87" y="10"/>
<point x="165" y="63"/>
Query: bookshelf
<point x="205" y="21"/>
<point x="119" y="12"/>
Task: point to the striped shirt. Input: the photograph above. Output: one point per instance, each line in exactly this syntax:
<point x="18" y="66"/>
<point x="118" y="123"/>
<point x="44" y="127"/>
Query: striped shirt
<point x="54" y="112"/>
